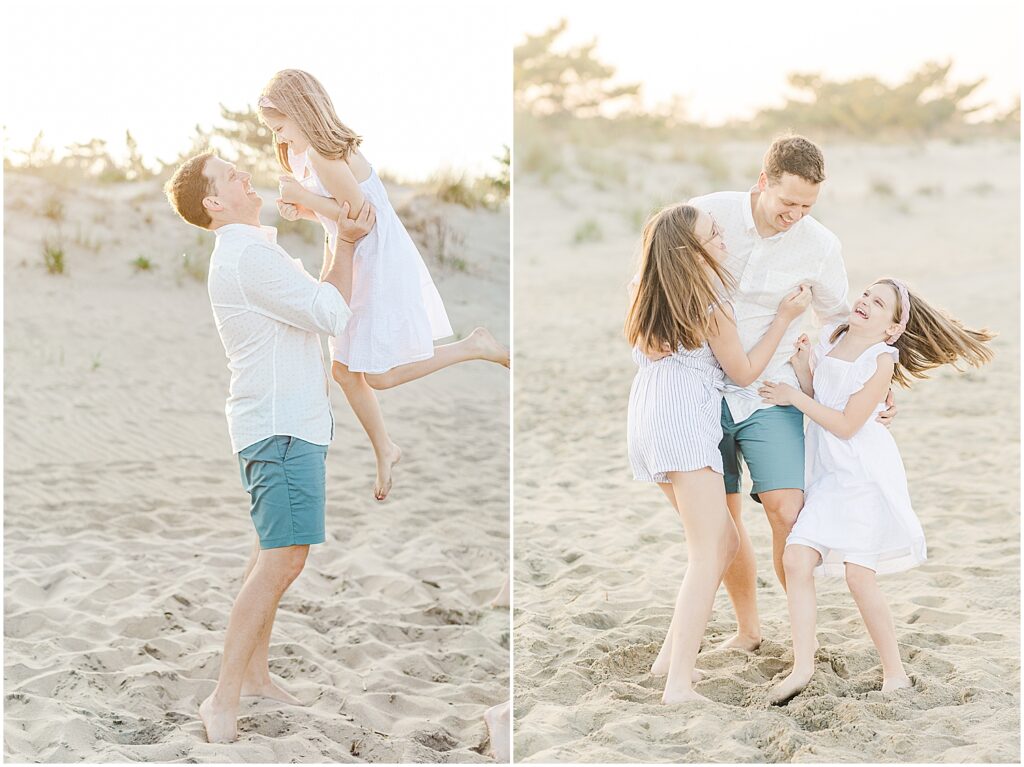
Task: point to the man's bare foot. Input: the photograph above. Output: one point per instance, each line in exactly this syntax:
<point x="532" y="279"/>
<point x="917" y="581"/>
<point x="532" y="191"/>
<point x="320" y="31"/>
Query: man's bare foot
<point x="499" y="728"/>
<point x="789" y="687"/>
<point x="682" y="696"/>
<point x="891" y="684"/>
<point x="743" y="642"/>
<point x="220" y="722"/>
<point x="488" y="348"/>
<point x="385" y="464"/>
<point x="267" y="688"/>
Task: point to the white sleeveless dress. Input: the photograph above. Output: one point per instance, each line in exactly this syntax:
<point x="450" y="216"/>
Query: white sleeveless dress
<point x="397" y="313"/>
<point x="856" y="503"/>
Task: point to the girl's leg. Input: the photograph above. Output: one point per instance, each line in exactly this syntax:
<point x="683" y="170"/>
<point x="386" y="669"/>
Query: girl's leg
<point x="799" y="563"/>
<point x="875" y="612"/>
<point x="478" y="345"/>
<point x="363" y="401"/>
<point x="711" y="543"/>
<point x="661" y="664"/>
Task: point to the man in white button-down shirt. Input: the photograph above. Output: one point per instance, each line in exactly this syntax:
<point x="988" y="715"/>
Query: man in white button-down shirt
<point x="270" y="314"/>
<point x="774" y="245"/>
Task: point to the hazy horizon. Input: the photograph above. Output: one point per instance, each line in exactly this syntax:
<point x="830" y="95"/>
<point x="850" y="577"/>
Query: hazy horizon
<point x="423" y="102"/>
<point x="727" y="71"/>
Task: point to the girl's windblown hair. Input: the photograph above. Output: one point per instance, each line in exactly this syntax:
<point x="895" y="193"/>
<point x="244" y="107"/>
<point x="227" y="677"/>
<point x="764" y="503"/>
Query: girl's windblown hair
<point x="679" y="282"/>
<point x="932" y="339"/>
<point x="300" y="96"/>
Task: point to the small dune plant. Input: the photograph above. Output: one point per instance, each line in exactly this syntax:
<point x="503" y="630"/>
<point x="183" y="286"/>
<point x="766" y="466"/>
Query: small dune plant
<point x="53" y="256"/>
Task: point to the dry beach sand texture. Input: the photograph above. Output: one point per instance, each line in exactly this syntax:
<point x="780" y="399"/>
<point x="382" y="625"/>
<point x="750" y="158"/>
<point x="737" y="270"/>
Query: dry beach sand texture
<point x="126" y="529"/>
<point x="599" y="557"/>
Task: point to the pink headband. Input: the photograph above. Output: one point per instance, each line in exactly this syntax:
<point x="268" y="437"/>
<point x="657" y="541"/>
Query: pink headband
<point x="904" y="311"/>
<point x="266" y="103"/>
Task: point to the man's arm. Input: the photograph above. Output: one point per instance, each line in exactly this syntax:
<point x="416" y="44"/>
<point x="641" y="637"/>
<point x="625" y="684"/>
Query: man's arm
<point x="339" y="271"/>
<point x="273" y="286"/>
<point x="829" y="291"/>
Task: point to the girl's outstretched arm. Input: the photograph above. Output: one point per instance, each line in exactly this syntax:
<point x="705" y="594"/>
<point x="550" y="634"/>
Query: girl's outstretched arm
<point x="847" y="422"/>
<point x="744" y="368"/>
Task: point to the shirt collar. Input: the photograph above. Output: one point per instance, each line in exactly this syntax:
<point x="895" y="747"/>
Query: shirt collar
<point x="267" y="233"/>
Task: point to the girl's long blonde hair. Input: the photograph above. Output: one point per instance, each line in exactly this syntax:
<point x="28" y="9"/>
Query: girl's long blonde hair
<point x="932" y="339"/>
<point x="679" y="282"/>
<point x="300" y="96"/>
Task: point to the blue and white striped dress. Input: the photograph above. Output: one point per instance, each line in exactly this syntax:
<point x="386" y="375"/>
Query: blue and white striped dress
<point x="675" y="414"/>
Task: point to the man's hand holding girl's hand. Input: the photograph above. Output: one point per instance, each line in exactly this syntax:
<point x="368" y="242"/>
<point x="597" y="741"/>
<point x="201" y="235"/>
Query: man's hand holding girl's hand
<point x="353" y="229"/>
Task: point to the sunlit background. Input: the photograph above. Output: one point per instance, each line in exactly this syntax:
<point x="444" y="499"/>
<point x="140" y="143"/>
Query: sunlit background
<point x="427" y="85"/>
<point x="726" y="60"/>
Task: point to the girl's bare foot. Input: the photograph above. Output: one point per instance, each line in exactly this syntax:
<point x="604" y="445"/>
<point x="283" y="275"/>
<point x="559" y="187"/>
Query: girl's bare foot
<point x="503" y="597"/>
<point x="499" y="728"/>
<point x="789" y="687"/>
<point x="488" y="348"/>
<point x="660" y="668"/>
<point x="385" y="464"/>
<point x="891" y="684"/>
<point x="220" y="722"/>
<point x="746" y="642"/>
<point x="682" y="696"/>
<point x="267" y="688"/>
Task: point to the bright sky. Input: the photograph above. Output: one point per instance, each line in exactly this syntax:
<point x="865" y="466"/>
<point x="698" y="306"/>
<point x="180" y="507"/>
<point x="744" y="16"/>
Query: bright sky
<point x="428" y="85"/>
<point x="727" y="58"/>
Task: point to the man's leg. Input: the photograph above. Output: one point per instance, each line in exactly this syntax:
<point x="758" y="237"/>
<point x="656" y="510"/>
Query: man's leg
<point x="772" y="442"/>
<point x="257" y="680"/>
<point x="782" y="508"/>
<point x="741" y="584"/>
<point x="251" y="616"/>
<point x="740" y="577"/>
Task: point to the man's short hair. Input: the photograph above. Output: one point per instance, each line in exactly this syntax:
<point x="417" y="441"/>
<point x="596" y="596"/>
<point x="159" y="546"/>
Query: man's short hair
<point x="797" y="155"/>
<point x="187" y="189"/>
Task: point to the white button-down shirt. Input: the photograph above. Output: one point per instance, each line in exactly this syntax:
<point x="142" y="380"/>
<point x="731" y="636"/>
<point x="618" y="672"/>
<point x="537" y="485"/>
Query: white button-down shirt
<point x="269" y="312"/>
<point x="766" y="270"/>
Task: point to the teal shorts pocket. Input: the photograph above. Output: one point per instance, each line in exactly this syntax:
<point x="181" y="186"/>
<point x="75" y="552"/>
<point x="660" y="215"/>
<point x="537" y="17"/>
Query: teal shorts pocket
<point x="286" y="479"/>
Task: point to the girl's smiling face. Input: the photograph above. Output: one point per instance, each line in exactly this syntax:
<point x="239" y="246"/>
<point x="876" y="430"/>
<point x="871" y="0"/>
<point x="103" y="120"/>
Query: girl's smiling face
<point x="286" y="131"/>
<point x="874" y="312"/>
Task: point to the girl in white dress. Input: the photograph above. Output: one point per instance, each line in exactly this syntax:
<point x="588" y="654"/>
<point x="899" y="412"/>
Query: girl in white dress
<point x="397" y="313"/>
<point x="683" y="336"/>
<point x="857" y="519"/>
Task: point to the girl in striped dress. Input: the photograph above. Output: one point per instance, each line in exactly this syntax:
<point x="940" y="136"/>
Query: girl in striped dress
<point x="683" y="336"/>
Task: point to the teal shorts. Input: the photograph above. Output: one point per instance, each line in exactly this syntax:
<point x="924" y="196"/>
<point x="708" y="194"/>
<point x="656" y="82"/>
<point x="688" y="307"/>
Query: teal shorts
<point x="771" y="442"/>
<point x="286" y="479"/>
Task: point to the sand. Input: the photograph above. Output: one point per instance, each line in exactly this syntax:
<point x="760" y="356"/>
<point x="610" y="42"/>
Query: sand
<point x="598" y="557"/>
<point x="127" y="530"/>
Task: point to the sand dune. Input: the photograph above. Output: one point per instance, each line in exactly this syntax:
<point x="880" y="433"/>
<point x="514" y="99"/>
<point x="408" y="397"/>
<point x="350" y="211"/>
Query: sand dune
<point x="126" y="528"/>
<point x="599" y="557"/>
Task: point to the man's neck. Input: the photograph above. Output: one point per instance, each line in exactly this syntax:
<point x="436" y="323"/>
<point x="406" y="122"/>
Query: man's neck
<point x="761" y="224"/>
<point x="254" y="221"/>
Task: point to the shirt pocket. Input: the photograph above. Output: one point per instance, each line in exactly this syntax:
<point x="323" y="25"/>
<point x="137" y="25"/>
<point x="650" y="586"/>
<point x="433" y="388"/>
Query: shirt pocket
<point x="775" y="286"/>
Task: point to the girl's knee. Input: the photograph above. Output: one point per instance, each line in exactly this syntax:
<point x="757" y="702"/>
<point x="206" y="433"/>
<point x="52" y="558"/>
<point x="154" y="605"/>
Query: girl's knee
<point x="345" y="377"/>
<point x="859" y="579"/>
<point x="797" y="563"/>
<point x="379" y="381"/>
